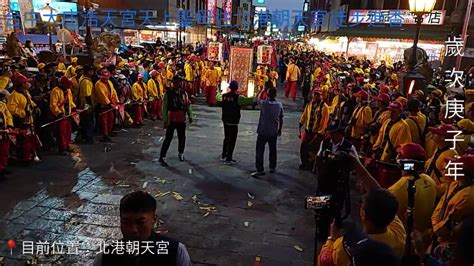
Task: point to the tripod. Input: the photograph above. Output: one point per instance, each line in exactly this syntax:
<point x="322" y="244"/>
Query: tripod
<point x="410" y="259"/>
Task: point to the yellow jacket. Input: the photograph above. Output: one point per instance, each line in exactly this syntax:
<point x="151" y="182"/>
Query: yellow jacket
<point x="139" y="92"/>
<point x="188" y="70"/>
<point x="320" y="113"/>
<point x="452" y="207"/>
<point x="437" y="171"/>
<point x="103" y="95"/>
<point x="18" y="104"/>
<point x="6" y="116"/>
<point x="362" y="116"/>
<point x="399" y="134"/>
<point x="169" y="77"/>
<point x="211" y="77"/>
<point x="393" y="237"/>
<point x="380" y="119"/>
<point x="292" y="72"/>
<point x="152" y="88"/>
<point x="70" y="72"/>
<point x="57" y="100"/>
<point x="417" y="126"/>
<point x="4" y="81"/>
<point x="425" y="200"/>
<point x="85" y="90"/>
<point x="219" y="72"/>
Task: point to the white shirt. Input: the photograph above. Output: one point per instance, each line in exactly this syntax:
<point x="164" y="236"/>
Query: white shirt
<point x="334" y="147"/>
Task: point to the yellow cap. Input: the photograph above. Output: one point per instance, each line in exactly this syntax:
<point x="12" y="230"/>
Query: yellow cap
<point x="466" y="125"/>
<point x="41" y="65"/>
<point x="402" y="100"/>
<point x="73" y="60"/>
<point x="121" y="64"/>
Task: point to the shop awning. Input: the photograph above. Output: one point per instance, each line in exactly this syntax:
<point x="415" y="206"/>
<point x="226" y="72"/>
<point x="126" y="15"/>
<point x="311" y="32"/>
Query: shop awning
<point x="427" y="33"/>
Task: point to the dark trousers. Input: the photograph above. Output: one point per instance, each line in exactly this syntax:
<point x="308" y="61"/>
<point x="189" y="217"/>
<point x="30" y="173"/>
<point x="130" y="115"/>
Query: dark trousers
<point x="181" y="129"/>
<point x="230" y="138"/>
<point x="260" y="151"/>
<point x="87" y="125"/>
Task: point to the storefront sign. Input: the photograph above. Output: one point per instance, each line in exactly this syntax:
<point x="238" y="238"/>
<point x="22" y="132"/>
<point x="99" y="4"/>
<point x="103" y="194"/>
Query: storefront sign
<point x="227" y="12"/>
<point x="211" y="8"/>
<point x="38" y="4"/>
<point x="4" y="11"/>
<point x="25" y="7"/>
<point x="214" y="52"/>
<point x="364" y="16"/>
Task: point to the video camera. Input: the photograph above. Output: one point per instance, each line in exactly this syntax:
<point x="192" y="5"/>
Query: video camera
<point x="411" y="165"/>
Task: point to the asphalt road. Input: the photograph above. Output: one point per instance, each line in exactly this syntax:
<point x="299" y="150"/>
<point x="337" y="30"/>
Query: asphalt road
<point x="73" y="201"/>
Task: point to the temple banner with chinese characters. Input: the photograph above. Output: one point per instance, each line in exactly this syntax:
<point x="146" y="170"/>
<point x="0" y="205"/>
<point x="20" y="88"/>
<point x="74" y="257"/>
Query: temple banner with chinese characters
<point x="364" y="16"/>
<point x="214" y="51"/>
<point x="264" y="54"/>
<point x="241" y="66"/>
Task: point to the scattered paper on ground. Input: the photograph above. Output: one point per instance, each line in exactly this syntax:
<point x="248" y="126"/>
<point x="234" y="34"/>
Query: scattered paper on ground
<point x="162" y="194"/>
<point x="209" y="209"/>
<point x="206" y="214"/>
<point x="160" y="139"/>
<point x="145" y="184"/>
<point x="246" y="224"/>
<point x="250" y="196"/>
<point x="249" y="203"/>
<point x="190" y="171"/>
<point x="300" y="249"/>
<point x="162" y="180"/>
<point x="177" y="196"/>
<point x="194" y="198"/>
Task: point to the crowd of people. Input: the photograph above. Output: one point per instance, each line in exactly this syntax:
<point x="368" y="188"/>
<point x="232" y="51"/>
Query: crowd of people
<point x="350" y="105"/>
<point x="402" y="145"/>
<point x="41" y="106"/>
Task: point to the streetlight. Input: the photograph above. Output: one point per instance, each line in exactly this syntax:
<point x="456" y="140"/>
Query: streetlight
<point x="419" y="8"/>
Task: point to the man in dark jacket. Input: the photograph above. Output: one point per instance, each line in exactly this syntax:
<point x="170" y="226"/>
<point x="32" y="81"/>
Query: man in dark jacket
<point x="141" y="246"/>
<point x="176" y="106"/>
<point x="231" y="104"/>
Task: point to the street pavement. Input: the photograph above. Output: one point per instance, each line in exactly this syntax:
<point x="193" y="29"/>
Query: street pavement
<point x="225" y="217"/>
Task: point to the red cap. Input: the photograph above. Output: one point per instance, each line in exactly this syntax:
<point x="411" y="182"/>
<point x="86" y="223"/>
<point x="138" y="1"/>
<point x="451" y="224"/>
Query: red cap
<point x="362" y="94"/>
<point x="161" y="65"/>
<point x="21" y="79"/>
<point x="383" y="89"/>
<point x="412" y="151"/>
<point x="154" y="73"/>
<point x="395" y="106"/>
<point x="318" y="91"/>
<point x="360" y="79"/>
<point x="383" y="97"/>
<point x="65" y="81"/>
<point x="140" y="76"/>
<point x="443" y="130"/>
<point x="467" y="163"/>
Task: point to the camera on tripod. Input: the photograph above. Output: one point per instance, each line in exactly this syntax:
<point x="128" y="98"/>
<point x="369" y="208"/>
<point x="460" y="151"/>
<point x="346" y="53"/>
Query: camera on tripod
<point x="411" y="165"/>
